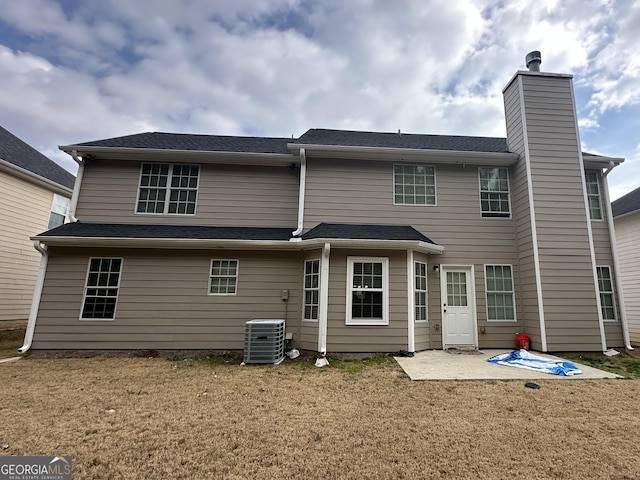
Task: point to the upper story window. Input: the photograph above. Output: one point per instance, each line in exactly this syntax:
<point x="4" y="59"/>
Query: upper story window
<point x="59" y="207"/>
<point x="414" y="185"/>
<point x="494" y="192"/>
<point x="593" y="194"/>
<point x="168" y="189"/>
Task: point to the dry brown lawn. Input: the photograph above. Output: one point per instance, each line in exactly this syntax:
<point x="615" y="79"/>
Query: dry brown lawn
<point x="142" y="418"/>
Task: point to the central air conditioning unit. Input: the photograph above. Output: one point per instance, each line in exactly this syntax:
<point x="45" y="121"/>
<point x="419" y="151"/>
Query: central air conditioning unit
<point x="264" y="341"/>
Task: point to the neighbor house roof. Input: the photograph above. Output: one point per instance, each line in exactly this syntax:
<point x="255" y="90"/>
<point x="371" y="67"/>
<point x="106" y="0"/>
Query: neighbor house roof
<point x="183" y="141"/>
<point x="25" y="157"/>
<point x="365" y="232"/>
<point x="626" y="204"/>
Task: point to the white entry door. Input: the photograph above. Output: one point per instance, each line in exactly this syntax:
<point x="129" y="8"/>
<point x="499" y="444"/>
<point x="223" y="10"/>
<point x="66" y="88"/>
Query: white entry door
<point x="458" y="307"/>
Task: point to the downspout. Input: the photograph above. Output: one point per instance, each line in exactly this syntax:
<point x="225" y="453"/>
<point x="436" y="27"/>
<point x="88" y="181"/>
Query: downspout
<point x="37" y="293"/>
<point x="616" y="263"/>
<point x="303" y="184"/>
<point x="324" y="299"/>
<point x="76" y="186"/>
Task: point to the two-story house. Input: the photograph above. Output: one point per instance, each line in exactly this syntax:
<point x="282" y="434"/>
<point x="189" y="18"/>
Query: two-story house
<point x="361" y="241"/>
<point x="34" y="193"/>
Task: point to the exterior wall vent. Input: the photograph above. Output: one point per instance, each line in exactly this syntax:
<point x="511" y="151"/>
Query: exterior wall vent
<point x="534" y="59"/>
<point x="264" y="341"/>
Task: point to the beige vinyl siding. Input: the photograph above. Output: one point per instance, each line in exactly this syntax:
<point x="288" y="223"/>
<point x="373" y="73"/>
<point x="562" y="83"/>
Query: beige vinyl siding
<point x="25" y="213"/>
<point x="361" y="338"/>
<point x="163" y="301"/>
<point x="568" y="289"/>
<point x="628" y="242"/>
<point x="227" y="196"/>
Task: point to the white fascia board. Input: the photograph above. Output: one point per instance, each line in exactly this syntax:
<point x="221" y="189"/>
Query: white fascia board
<point x="591" y="162"/>
<point x="406" y="154"/>
<point x="167" y="243"/>
<point x="422" y="247"/>
<point x="200" y="156"/>
<point x="31" y="177"/>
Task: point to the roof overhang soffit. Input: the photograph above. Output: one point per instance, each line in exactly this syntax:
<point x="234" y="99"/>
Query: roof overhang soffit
<point x="184" y="156"/>
<point x="207" y="244"/>
<point x="593" y="161"/>
<point x="405" y="154"/>
<point x="34" y="179"/>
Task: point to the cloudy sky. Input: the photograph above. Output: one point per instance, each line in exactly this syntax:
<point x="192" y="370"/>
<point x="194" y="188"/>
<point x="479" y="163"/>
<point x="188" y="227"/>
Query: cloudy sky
<point x="74" y="71"/>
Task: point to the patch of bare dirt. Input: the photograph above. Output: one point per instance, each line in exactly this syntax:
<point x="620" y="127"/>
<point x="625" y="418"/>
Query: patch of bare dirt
<point x="140" y="418"/>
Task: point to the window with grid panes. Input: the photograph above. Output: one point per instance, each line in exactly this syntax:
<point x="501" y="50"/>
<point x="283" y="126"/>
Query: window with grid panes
<point x="414" y="185"/>
<point x="494" y="192"/>
<point x="605" y="285"/>
<point x="223" y="279"/>
<point x="311" y="289"/>
<point x="500" y="298"/>
<point x="420" y="291"/>
<point x="368" y="295"/>
<point x="457" y="289"/>
<point x="169" y="189"/>
<point x="101" y="289"/>
<point x="593" y="194"/>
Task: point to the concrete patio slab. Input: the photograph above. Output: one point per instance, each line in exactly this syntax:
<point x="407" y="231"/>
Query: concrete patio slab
<point x="441" y="365"/>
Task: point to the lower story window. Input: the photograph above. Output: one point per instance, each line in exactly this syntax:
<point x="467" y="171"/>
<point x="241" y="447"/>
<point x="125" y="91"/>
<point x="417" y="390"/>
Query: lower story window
<point x="367" y="291"/>
<point x="500" y="301"/>
<point x="223" y="279"/>
<point x="420" y="291"/>
<point x="101" y="289"/>
<point x="606" y="294"/>
<point x="311" y="290"/>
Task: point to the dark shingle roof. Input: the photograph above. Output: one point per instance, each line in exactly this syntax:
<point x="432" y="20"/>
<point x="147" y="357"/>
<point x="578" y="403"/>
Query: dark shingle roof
<point x="20" y="154"/>
<point x="629" y="203"/>
<point x="205" y="143"/>
<point x="365" y="232"/>
<point x="320" y="136"/>
<point x="112" y="230"/>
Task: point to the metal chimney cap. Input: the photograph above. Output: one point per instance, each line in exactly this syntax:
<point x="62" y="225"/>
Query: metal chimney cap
<point x="534" y="59"/>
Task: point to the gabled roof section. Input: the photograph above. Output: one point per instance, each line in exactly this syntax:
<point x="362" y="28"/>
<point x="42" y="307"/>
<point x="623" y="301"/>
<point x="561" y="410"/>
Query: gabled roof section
<point x="366" y="232"/>
<point x="137" y="231"/>
<point x="187" y="142"/>
<point x="18" y="153"/>
<point x="320" y="136"/>
<point x="626" y="204"/>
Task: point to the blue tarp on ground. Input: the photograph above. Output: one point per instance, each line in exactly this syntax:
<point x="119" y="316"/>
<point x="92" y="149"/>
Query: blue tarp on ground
<point x="524" y="359"/>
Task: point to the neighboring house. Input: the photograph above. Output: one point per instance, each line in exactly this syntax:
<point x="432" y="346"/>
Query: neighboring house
<point x="626" y="217"/>
<point x="361" y="241"/>
<point x="34" y="194"/>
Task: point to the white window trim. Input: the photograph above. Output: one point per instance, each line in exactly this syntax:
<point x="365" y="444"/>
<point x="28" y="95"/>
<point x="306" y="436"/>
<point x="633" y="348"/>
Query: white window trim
<point x="385" y="291"/>
<point x="505" y="217"/>
<point x="586" y="183"/>
<point x="613" y="295"/>
<point x="168" y="191"/>
<point x="210" y="277"/>
<point x="486" y="292"/>
<point x="84" y="294"/>
<point x="304" y="289"/>
<point x="425" y="291"/>
<point x="393" y="184"/>
<point x="51" y="210"/>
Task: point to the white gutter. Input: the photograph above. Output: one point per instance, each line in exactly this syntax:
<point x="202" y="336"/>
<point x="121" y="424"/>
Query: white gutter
<point x="411" y="298"/>
<point x="616" y="263"/>
<point x="33" y="178"/>
<point x="303" y="183"/>
<point x="37" y="293"/>
<point x="324" y="299"/>
<point x="534" y="230"/>
<point x="76" y="186"/>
